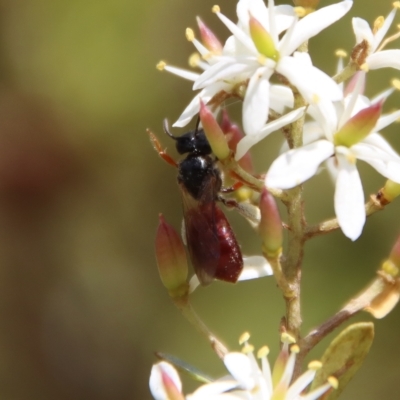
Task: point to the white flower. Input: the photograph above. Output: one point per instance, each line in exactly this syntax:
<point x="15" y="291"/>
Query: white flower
<point x="247" y="380"/>
<point x="346" y="133"/>
<point x="375" y="56"/>
<point x="250" y="140"/>
<point x="165" y="383"/>
<point x="255" y="51"/>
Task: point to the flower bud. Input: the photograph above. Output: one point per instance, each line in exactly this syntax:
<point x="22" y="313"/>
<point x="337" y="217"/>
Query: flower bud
<point x="389" y="192"/>
<point x="171" y="259"/>
<point x="214" y="134"/>
<point x="359" y="126"/>
<point x="262" y="39"/>
<point x="210" y="41"/>
<point x="270" y="228"/>
<point x="234" y="134"/>
<point x="165" y="383"/>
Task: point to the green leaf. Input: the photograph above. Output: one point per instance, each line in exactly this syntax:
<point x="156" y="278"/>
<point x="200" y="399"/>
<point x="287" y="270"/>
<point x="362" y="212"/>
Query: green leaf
<point x="183" y="366"/>
<point x="344" y="356"/>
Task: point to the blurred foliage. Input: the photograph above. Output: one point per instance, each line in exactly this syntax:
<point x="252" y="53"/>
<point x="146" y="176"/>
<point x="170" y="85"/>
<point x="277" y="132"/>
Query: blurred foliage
<point x="82" y="307"/>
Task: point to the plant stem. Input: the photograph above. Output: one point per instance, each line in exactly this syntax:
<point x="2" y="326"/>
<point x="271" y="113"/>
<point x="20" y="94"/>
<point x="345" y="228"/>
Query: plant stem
<point x="296" y="224"/>
<point x="183" y="304"/>
<point x="378" y="288"/>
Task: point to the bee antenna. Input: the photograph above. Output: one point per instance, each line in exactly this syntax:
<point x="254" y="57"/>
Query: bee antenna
<point x="196" y="131"/>
<point x="166" y="129"/>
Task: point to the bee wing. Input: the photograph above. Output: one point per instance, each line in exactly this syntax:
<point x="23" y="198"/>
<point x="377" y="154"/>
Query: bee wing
<point x="201" y="230"/>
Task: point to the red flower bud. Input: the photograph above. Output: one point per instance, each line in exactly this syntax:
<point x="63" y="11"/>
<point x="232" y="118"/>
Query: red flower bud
<point x="234" y="134"/>
<point x="208" y="38"/>
<point x="171" y="259"/>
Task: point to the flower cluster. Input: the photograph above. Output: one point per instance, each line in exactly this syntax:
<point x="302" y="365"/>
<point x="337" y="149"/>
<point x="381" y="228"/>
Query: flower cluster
<point x="327" y="122"/>
<point x="267" y="42"/>
<point x="246" y="379"/>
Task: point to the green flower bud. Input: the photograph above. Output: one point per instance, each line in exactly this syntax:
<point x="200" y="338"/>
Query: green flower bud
<point x="214" y="134"/>
<point x="270" y="228"/>
<point x="359" y="126"/>
<point x="262" y="39"/>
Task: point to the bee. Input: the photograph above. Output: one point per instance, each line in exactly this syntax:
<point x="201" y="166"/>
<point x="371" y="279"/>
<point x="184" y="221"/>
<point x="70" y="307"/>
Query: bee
<point x="212" y="245"/>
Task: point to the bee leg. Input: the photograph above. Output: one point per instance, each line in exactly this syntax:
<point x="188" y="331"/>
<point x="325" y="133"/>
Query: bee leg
<point x="161" y="152"/>
<point x="232" y="188"/>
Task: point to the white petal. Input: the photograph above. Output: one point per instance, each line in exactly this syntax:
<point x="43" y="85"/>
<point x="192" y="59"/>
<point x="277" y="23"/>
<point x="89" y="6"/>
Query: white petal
<point x="315" y="22"/>
<point x="376" y="140"/>
<point x="156" y="383"/>
<point x="362" y="31"/>
<point x="349" y="198"/>
<point x="384" y="59"/>
<point x="256" y="101"/>
<point x="256" y="8"/>
<point x="352" y="100"/>
<point x="296" y="166"/>
<point x="284" y="17"/>
<point x="325" y="113"/>
<point x="239" y="366"/>
<point x="280" y="97"/>
<point x="213" y="388"/>
<point x="386" y="120"/>
<point x="382" y="95"/>
<point x="238" y="33"/>
<point x="386" y="164"/>
<point x="384" y="28"/>
<point x="312" y="83"/>
<point x="255" y="267"/>
<point x="250" y="140"/>
<point x="226" y="69"/>
<point x="193" y="107"/>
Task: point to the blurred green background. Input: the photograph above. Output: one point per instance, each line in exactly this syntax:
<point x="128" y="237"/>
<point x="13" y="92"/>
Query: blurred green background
<point x="82" y="307"/>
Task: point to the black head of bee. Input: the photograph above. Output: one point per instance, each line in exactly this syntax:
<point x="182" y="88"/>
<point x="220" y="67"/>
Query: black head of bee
<point x="193" y="142"/>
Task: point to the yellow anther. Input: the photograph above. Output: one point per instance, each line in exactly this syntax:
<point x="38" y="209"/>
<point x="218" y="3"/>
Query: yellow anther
<point x="263" y="352"/>
<point x="396" y="83"/>
<point x="390" y="268"/>
<point x="286" y="338"/>
<point x="161" y="65"/>
<point x="207" y="56"/>
<point x="396" y="4"/>
<point x="248" y="348"/>
<point x="364" y="67"/>
<point x="216" y="9"/>
<point x="300" y="11"/>
<point x="244" y="337"/>
<point x="333" y="382"/>
<point x="378" y="23"/>
<point x="314" y="365"/>
<point x="340" y="53"/>
<point x="189" y="34"/>
<point x="295" y="349"/>
<point x="194" y="60"/>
